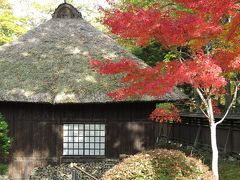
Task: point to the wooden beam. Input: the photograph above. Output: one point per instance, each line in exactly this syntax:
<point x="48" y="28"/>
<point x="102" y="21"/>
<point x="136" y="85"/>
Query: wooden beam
<point x="197" y="136"/>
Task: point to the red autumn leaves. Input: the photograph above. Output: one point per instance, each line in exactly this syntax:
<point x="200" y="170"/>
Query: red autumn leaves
<point x="195" y="27"/>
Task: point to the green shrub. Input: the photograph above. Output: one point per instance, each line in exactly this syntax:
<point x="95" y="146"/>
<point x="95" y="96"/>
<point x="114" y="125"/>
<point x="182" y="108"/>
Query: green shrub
<point x="159" y="164"/>
<point x="4" y="138"/>
<point x="3" y="169"/>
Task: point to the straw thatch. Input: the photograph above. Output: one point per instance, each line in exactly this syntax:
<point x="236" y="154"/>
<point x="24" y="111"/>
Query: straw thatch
<point x="50" y="64"/>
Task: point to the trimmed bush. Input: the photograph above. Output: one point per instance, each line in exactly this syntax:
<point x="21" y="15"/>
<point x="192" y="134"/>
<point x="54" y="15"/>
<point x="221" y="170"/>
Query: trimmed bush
<point x="159" y="164"/>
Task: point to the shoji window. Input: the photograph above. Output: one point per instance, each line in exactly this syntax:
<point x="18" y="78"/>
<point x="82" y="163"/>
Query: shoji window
<point x="84" y="139"/>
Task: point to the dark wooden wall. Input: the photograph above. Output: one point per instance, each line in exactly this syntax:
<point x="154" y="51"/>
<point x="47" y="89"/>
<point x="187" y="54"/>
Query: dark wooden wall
<point x="194" y="130"/>
<point x="37" y="130"/>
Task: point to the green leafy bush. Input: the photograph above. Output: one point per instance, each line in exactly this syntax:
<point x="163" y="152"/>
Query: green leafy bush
<point x="159" y="164"/>
<point x="5" y="140"/>
<point x="3" y="169"/>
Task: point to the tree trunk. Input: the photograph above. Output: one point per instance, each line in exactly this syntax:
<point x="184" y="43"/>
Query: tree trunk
<point x="213" y="128"/>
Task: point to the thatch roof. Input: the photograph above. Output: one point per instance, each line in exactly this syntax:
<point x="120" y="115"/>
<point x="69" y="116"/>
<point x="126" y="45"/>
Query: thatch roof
<point x="50" y="64"/>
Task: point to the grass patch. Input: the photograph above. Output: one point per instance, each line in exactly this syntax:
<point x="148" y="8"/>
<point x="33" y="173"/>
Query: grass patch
<point x="229" y="170"/>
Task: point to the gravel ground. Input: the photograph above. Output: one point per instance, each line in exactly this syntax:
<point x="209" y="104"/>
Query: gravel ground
<point x="4" y="177"/>
<point x="64" y="171"/>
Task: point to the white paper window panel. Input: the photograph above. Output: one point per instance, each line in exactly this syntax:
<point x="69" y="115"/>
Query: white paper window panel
<point x="70" y="145"/>
<point x="102" y="146"/>
<point x="80" y="133"/>
<point x="70" y="133"/>
<point x="70" y="152"/>
<point x="80" y="152"/>
<point x="87" y="133"/>
<point x="91" y="152"/>
<point x="97" y="152"/>
<point x="65" y="127"/>
<point x="86" y="152"/>
<point x="65" y="151"/>
<point x="80" y="126"/>
<point x="97" y="145"/>
<point x="75" y="152"/>
<point x="103" y="127"/>
<point x="91" y="133"/>
<point x="75" y="126"/>
<point x="70" y="126"/>
<point x="102" y="152"/>
<point x="75" y="145"/>
<point x="102" y="139"/>
<point x="65" y="139"/>
<point x="102" y="133"/>
<point x="92" y="126"/>
<point x="75" y="133"/>
<point x="87" y="126"/>
<point x="81" y="145"/>
<point x="87" y="145"/>
<point x="97" y="133"/>
<point x="80" y="139"/>
<point x="65" y="145"/>
<point x="65" y="133"/>
<point x="91" y="145"/>
<point x="97" y="127"/>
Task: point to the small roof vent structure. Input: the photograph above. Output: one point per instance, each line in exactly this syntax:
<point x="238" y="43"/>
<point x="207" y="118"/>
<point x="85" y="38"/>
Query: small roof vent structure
<point x="66" y="11"/>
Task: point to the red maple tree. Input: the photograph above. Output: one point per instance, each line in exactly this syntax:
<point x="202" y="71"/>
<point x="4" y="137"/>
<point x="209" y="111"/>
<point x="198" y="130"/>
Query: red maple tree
<point x="210" y="28"/>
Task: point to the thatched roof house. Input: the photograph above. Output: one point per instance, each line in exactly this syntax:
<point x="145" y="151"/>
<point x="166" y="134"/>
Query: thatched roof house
<point x="47" y="87"/>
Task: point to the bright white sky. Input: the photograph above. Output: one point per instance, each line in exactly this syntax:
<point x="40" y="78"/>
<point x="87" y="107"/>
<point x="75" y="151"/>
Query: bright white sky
<point x="23" y="7"/>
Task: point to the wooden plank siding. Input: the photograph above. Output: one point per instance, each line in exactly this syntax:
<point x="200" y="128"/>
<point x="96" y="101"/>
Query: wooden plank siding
<point x="37" y="130"/>
<point x="228" y="133"/>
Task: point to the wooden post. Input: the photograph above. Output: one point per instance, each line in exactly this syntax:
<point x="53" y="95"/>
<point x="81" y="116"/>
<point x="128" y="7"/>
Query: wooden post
<point x="169" y="128"/>
<point x="227" y="139"/>
<point x="74" y="174"/>
<point x="197" y="136"/>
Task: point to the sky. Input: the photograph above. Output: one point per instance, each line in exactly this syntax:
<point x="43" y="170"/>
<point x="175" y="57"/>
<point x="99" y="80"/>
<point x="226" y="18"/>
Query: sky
<point x="23" y="8"/>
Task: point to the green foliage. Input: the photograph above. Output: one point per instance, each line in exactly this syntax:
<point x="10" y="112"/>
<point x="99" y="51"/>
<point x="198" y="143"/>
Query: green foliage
<point x="10" y="26"/>
<point x="151" y="54"/>
<point x="159" y="164"/>
<point x="166" y="106"/>
<point x="5" y="140"/>
<point x="3" y="169"/>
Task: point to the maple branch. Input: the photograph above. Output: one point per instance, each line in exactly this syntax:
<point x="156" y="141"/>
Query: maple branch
<point x="231" y="104"/>
<point x="187" y="54"/>
<point x="166" y="5"/>
<point x="180" y="57"/>
<point x="202" y="97"/>
<point x="204" y="112"/>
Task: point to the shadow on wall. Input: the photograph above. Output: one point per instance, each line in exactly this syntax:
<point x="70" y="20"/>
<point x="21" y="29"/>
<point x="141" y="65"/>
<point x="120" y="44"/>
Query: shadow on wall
<point x="34" y="145"/>
<point x="130" y="137"/>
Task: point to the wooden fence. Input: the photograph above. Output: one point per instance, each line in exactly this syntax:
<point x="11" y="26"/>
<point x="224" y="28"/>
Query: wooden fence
<point x="194" y="130"/>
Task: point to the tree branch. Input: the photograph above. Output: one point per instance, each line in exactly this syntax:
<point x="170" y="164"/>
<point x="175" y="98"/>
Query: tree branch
<point x="204" y="112"/>
<point x="202" y="97"/>
<point x="231" y="104"/>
